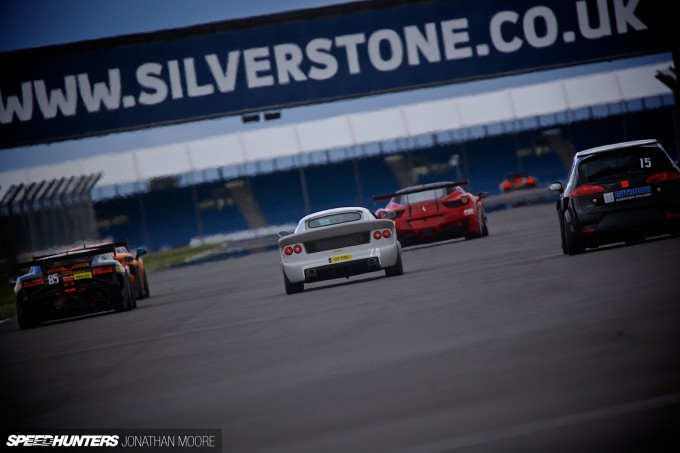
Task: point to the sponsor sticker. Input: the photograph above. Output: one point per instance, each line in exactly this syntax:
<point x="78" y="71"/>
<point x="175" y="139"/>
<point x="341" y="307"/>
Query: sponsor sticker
<point x="82" y="275"/>
<point x="631" y="194"/>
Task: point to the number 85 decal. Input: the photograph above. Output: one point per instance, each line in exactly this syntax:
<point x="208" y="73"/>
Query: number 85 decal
<point x="52" y="279"/>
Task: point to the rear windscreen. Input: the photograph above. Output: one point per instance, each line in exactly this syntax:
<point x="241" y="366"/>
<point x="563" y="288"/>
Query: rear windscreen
<point x="622" y="163"/>
<point x="334" y="219"/>
<point x="423" y="196"/>
<point x="67" y="263"/>
<point x="54" y="264"/>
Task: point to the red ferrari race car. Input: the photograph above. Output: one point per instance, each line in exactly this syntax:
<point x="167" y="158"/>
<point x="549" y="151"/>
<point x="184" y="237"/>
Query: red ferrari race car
<point x="435" y="211"/>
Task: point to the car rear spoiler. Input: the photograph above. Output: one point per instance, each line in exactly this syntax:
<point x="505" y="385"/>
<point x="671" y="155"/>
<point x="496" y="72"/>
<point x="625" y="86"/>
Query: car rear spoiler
<point x="85" y="251"/>
<point x="421" y="189"/>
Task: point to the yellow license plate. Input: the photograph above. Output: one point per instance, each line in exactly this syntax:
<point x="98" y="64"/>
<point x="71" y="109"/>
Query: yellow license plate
<point x="339" y="258"/>
<point x="82" y="275"/>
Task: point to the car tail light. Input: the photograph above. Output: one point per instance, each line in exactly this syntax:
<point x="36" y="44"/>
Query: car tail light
<point x="383" y="213"/>
<point x="102" y="270"/>
<point x="297" y="248"/>
<point x="377" y="235"/>
<point x="663" y="177"/>
<point x="587" y="189"/>
<point x="33" y="282"/>
<point x="531" y="180"/>
<point x="506" y="184"/>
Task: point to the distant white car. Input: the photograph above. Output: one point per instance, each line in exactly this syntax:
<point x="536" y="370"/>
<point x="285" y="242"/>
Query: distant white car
<point x="337" y="243"/>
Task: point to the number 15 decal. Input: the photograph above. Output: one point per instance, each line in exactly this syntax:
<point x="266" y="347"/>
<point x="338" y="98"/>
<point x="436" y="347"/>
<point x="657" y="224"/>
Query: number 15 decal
<point x="645" y="162"/>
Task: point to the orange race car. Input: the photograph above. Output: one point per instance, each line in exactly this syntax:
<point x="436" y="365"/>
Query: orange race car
<point x="138" y="277"/>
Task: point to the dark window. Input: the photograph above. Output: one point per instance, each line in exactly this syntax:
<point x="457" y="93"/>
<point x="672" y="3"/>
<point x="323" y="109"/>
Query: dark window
<point x="622" y="163"/>
<point x="420" y="197"/>
<point x="334" y="219"/>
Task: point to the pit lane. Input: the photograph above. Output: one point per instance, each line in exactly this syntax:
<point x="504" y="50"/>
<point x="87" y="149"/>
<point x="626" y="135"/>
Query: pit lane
<point x="489" y="345"/>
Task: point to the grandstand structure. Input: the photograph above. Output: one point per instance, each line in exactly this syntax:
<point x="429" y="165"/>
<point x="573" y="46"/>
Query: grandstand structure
<point x="166" y="196"/>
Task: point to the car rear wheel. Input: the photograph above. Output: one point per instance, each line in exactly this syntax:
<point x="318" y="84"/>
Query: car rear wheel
<point x="127" y="300"/>
<point x="137" y="285"/>
<point x="563" y="242"/>
<point x="139" y="290"/>
<point x="27" y="319"/>
<point x="573" y="243"/>
<point x="395" y="270"/>
<point x="133" y="299"/>
<point x="292" y="288"/>
<point x="485" y="227"/>
<point x="146" y="286"/>
<point x="479" y="231"/>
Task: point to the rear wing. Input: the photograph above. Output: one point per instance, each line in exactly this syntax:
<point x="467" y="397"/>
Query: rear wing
<point x="421" y="189"/>
<point x="85" y="251"/>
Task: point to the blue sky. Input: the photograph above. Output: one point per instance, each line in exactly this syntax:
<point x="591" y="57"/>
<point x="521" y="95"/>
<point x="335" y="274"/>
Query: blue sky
<point x="38" y="23"/>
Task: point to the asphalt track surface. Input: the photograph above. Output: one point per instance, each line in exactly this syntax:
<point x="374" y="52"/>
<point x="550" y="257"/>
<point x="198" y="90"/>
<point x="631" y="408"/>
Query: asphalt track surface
<point x="500" y="344"/>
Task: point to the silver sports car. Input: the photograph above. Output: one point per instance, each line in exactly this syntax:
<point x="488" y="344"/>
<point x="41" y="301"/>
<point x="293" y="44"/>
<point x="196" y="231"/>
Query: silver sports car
<point x="337" y="243"/>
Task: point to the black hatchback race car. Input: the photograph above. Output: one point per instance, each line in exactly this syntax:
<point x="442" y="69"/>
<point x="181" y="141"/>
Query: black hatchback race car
<point x="624" y="192"/>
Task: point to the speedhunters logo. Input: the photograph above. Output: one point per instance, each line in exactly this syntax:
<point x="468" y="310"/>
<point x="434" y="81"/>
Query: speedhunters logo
<point x="154" y="440"/>
<point x="46" y="440"/>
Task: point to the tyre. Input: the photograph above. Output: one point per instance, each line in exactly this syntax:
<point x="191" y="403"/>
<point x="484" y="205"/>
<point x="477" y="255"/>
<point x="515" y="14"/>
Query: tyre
<point x="292" y="288"/>
<point x="564" y="242"/>
<point x="133" y="299"/>
<point x="560" y="218"/>
<point x="146" y="286"/>
<point x="138" y="288"/>
<point x="395" y="270"/>
<point x="126" y="301"/>
<point x="27" y="319"/>
<point x="480" y="228"/>
<point x="573" y="243"/>
<point x="485" y="227"/>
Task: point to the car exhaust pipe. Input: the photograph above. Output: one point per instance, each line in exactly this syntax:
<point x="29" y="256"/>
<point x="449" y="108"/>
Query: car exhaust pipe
<point x="373" y="263"/>
<point x="311" y="275"/>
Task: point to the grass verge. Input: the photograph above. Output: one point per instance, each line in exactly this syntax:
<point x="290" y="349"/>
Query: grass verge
<point x="7" y="308"/>
<point x="160" y="260"/>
